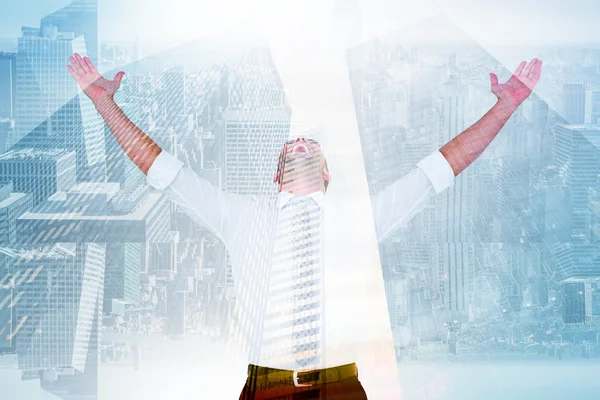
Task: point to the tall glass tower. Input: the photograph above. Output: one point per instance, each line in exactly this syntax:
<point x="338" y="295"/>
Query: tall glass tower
<point x="81" y="18"/>
<point x="8" y="84"/>
<point x="50" y="110"/>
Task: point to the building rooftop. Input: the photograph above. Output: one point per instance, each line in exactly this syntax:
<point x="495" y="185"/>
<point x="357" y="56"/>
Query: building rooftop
<point x="582" y="127"/>
<point x="95" y="188"/>
<point x="589" y="131"/>
<point x="593" y="136"/>
<point x="12" y="197"/>
<point x="49" y="212"/>
<point x="34" y="154"/>
<point x="58" y="251"/>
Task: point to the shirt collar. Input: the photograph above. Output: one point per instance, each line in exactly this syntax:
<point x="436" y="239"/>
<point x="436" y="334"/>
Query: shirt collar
<point x="284" y="197"/>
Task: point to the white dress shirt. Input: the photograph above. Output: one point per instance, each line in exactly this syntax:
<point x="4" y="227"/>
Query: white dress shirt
<point x="293" y="334"/>
<point x="270" y="331"/>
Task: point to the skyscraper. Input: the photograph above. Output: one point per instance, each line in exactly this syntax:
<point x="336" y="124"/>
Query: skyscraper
<point x="87" y="213"/>
<point x="255" y="124"/>
<point x="294" y="317"/>
<point x="539" y="112"/>
<point x="6" y="130"/>
<point x="8" y="84"/>
<point x="173" y="98"/>
<point x="578" y="156"/>
<point x="58" y="306"/>
<point x="254" y="127"/>
<point x="8" y="314"/>
<point x="596" y="107"/>
<point x="576" y="256"/>
<point x="398" y="127"/>
<point x="40" y="172"/>
<point x="577" y="103"/>
<point x="577" y="303"/>
<point x="122" y="276"/>
<point x="50" y="110"/>
<point x="454" y="211"/>
<point x="162" y="255"/>
<point x="252" y="140"/>
<point x="176" y="310"/>
<point x="81" y="18"/>
<point x="12" y="206"/>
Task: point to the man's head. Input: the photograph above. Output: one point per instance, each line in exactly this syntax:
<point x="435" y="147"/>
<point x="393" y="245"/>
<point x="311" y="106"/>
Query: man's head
<point x="302" y="167"/>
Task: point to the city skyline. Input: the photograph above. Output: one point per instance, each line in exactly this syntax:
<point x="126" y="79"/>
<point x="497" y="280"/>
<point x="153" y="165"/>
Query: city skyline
<point x="98" y="270"/>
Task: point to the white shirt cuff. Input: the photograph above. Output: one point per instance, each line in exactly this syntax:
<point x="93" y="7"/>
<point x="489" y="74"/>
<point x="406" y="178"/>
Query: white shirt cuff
<point x="163" y="171"/>
<point x="438" y="170"/>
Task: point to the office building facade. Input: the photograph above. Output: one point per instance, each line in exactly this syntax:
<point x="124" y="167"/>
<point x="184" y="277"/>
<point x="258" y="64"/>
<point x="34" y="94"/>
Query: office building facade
<point x="50" y="111"/>
<point x="39" y="172"/>
<point x="8" y="84"/>
<point x="81" y="18"/>
<point x="12" y="206"/>
<point x="577" y="103"/>
<point x="122" y="276"/>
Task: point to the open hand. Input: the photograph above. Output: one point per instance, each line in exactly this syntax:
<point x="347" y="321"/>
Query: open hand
<point x="520" y="85"/>
<point x="94" y="85"/>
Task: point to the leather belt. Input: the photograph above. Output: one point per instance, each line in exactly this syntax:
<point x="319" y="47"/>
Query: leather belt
<point x="267" y="378"/>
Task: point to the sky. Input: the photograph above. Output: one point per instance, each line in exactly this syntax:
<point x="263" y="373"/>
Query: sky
<point x="172" y="22"/>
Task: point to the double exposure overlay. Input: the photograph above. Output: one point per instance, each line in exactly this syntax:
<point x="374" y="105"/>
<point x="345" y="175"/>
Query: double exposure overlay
<point x="310" y="208"/>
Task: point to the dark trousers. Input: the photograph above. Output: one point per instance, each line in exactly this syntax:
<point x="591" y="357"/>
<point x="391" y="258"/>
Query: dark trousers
<point x="346" y="389"/>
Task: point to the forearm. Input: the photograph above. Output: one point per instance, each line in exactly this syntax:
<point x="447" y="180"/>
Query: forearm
<point x="138" y="146"/>
<point x="466" y="147"/>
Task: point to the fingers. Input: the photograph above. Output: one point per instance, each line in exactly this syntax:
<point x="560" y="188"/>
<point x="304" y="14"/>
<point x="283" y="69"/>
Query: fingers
<point x="520" y="68"/>
<point x="536" y="72"/>
<point x="76" y="66"/>
<point x="89" y="65"/>
<point x="493" y="78"/>
<point x="81" y="63"/>
<point x="119" y="76"/>
<point x="494" y="83"/>
<point x="74" y="73"/>
<point x="529" y="67"/>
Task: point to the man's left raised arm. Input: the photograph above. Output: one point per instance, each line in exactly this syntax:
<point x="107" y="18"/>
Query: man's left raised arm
<point x="399" y="202"/>
<point x="466" y="147"/>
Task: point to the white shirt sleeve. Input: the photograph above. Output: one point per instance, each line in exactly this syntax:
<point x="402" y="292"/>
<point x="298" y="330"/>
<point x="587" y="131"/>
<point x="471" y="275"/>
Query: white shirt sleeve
<point x="206" y="204"/>
<point x="399" y="202"/>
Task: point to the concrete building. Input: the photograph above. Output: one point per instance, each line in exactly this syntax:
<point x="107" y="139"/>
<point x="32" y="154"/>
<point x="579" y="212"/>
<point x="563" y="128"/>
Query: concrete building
<point x="12" y="206"/>
<point x="81" y="18"/>
<point x="49" y="109"/>
<point x="7" y="127"/>
<point x="577" y="103"/>
<point x="453" y="255"/>
<point x="8" y="84"/>
<point x="577" y="155"/>
<point x="39" y="172"/>
<point x="578" y="304"/>
<point x="252" y="140"/>
<point x="57" y="292"/>
<point x="122" y="276"/>
<point x="85" y="214"/>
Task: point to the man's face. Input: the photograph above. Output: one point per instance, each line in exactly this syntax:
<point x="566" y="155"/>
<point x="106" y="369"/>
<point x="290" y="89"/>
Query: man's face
<point x="301" y="162"/>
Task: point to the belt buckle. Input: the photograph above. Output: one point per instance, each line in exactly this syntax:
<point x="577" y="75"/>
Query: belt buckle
<point x="295" y="378"/>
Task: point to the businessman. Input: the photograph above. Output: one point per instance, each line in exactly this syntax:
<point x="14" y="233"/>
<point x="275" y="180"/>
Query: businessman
<point x="282" y="242"/>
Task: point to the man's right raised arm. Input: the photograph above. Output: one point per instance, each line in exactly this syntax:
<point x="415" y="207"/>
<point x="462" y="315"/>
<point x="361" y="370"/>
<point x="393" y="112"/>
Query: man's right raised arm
<point x="138" y="146"/>
<point x="206" y="204"/>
